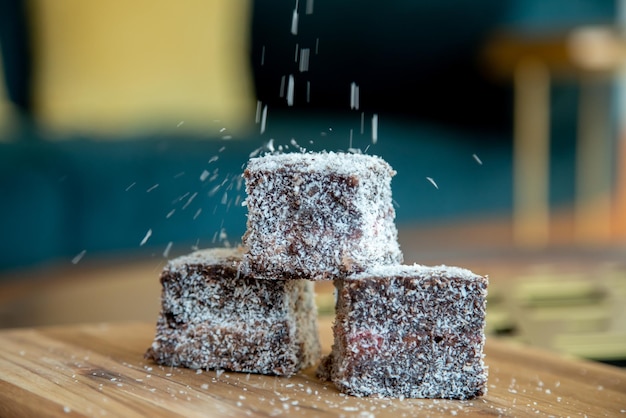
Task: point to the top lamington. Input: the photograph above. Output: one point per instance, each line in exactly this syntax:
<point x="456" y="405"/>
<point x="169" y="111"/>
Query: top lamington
<point x="318" y="216"/>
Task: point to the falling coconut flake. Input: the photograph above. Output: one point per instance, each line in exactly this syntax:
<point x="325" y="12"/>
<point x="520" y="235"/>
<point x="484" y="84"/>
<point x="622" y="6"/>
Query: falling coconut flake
<point x="477" y="159"/>
<point x="166" y="252"/>
<point x="145" y="239"/>
<point x="257" y="117"/>
<point x="205" y="174"/>
<point x="309" y="7"/>
<point x="214" y="190"/>
<point x="180" y="123"/>
<point x="255" y="153"/>
<point x="152" y="188"/>
<point x="304" y="59"/>
<point x="375" y="128"/>
<point x="294" y="22"/>
<point x="131" y="186"/>
<point x="263" y="119"/>
<point x="290" y="90"/>
<point x="432" y="182"/>
<point x="362" y="122"/>
<point x="180" y="198"/>
<point x="191" y="198"/>
<point x="263" y="55"/>
<point x="282" y="87"/>
<point x="354" y="96"/>
<point x="78" y="257"/>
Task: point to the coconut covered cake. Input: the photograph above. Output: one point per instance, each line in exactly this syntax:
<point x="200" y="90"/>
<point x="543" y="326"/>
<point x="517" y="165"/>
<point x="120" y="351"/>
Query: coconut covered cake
<point x="214" y="317"/>
<point x="318" y="216"/>
<point x="400" y="331"/>
<point x="409" y="331"/>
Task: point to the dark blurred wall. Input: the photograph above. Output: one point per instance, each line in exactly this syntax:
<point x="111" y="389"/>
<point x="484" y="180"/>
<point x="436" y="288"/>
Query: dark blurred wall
<point x="414" y="59"/>
<point x="16" y="53"/>
<point x="417" y="59"/>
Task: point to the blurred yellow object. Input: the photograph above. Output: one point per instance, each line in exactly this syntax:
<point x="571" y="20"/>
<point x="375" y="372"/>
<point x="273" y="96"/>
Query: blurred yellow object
<point x="566" y="290"/>
<point x="120" y="67"/>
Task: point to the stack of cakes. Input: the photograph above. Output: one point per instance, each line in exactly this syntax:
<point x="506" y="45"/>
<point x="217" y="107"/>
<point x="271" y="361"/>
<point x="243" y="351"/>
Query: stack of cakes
<point x="400" y="331"/>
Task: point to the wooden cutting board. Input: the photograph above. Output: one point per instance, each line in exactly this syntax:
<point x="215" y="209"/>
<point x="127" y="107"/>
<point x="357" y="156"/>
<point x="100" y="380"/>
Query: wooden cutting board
<point x="99" y="370"/>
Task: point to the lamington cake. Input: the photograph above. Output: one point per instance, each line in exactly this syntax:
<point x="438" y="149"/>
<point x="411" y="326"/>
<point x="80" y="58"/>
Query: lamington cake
<point x="409" y="331"/>
<point x="214" y="317"/>
<point x="318" y="216"/>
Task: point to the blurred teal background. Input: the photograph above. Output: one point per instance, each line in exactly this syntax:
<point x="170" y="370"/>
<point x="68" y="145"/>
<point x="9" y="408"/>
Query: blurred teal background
<point x="418" y="66"/>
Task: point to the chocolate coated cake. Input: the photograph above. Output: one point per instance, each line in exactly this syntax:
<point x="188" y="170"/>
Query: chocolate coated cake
<point x="214" y="317"/>
<point x="318" y="216"/>
<point x="409" y="331"/>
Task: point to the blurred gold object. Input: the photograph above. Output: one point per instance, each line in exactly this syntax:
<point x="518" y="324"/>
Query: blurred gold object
<point x="531" y="154"/>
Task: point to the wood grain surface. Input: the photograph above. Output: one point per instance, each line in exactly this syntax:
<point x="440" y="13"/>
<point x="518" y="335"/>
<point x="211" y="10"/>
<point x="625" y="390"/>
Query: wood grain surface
<point x="99" y="370"/>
